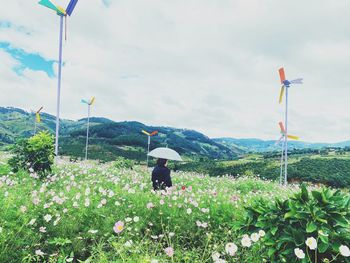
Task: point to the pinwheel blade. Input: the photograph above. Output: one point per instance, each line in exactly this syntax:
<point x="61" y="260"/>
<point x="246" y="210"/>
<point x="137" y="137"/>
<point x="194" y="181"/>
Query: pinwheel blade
<point x="71" y="7"/>
<point x="92" y="101"/>
<point x="153" y="133"/>
<point x="281" y="94"/>
<point x="61" y="11"/>
<point x="297" y="81"/>
<point x="283" y="130"/>
<point x="84" y="101"/>
<point x="39" y="110"/>
<point x="48" y="4"/>
<point x="293" y="137"/>
<point x="38" y="119"/>
<point x="143" y="131"/>
<point x="282" y="75"/>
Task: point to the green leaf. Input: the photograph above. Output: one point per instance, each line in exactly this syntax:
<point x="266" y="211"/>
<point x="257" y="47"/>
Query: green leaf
<point x="311" y="227"/>
<point x="322" y="247"/>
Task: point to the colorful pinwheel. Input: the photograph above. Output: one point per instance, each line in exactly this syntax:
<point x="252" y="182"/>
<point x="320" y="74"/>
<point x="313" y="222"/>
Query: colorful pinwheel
<point x="61" y="13"/>
<point x="149" y="135"/>
<point x="284" y="90"/>
<point x="282" y="139"/>
<point x="89" y="103"/>
<point x="37" y="118"/>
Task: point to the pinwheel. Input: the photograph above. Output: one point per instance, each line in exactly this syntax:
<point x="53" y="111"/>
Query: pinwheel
<point x="37" y="118"/>
<point x="88" y="103"/>
<point x="149" y="140"/>
<point x="61" y="13"/>
<point x="281" y="139"/>
<point x="284" y="90"/>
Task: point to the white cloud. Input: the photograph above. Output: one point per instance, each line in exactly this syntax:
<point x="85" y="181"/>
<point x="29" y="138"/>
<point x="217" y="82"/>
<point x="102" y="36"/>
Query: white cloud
<point x="205" y="65"/>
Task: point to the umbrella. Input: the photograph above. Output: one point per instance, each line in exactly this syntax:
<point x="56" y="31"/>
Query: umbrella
<point x="165" y="153"/>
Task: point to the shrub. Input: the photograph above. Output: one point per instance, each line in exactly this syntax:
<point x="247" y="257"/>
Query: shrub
<point x="323" y="215"/>
<point x="36" y="153"/>
<point x="121" y="162"/>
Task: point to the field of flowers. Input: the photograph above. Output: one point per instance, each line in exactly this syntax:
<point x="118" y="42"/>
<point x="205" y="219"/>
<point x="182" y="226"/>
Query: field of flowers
<point x="88" y="212"/>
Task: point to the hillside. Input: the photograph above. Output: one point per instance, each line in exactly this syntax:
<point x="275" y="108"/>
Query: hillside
<point x="110" y="139"/>
<point x="260" y="146"/>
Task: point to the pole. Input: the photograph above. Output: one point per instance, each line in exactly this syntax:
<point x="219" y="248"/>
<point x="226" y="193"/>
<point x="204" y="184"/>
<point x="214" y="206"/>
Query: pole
<point x="59" y="86"/>
<point x="286" y="142"/>
<point x="281" y="172"/>
<point x="34" y="127"/>
<point x="87" y="133"/>
<point x="149" y="142"/>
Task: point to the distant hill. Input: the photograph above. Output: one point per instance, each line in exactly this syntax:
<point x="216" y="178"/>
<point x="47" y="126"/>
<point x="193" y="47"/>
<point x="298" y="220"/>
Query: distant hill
<point x="260" y="146"/>
<point x="109" y="139"/>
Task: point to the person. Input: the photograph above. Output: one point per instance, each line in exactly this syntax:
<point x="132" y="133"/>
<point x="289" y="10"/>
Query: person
<point x="161" y="175"/>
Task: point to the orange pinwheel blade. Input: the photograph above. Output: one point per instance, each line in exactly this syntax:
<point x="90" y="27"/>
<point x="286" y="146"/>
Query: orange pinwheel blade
<point x="143" y="131"/>
<point x="282" y="75"/>
<point x="283" y="130"/>
<point x="153" y="133"/>
<point x="281" y="94"/>
<point x="293" y="137"/>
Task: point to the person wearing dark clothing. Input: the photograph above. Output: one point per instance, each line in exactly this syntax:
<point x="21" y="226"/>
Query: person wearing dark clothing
<point x="161" y="175"/>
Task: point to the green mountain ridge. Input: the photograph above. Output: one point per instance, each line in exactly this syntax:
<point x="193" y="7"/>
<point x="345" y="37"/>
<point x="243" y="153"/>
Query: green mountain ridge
<point x="109" y="139"/>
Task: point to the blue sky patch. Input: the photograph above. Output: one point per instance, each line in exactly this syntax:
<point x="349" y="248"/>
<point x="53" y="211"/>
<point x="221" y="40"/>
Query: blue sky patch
<point x="31" y="61"/>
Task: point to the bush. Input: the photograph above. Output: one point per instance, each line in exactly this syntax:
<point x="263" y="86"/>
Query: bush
<point x="35" y="154"/>
<point x="121" y="162"/>
<point x="323" y="215"/>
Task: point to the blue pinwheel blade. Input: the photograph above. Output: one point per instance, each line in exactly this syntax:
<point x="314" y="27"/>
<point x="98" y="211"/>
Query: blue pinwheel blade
<point x="71" y="7"/>
<point x="84" y="101"/>
<point x="48" y="4"/>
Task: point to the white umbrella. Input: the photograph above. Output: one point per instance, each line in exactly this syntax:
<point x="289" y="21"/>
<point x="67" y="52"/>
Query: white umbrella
<point x="165" y="153"/>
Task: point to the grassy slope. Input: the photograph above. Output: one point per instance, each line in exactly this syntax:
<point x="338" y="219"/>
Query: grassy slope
<point x="126" y="193"/>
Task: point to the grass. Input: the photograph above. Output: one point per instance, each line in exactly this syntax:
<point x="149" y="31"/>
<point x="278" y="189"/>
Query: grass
<point x="71" y="215"/>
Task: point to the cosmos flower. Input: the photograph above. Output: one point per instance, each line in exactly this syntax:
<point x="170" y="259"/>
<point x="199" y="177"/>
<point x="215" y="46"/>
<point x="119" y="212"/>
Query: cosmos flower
<point x="231" y="249"/>
<point x="169" y="251"/>
<point x="311" y="243"/>
<point x="299" y="253"/>
<point x="118" y="227"/>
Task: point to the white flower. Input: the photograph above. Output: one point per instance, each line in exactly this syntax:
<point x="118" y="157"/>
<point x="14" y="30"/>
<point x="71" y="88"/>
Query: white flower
<point x="231" y="249"/>
<point x="47" y="218"/>
<point x="246" y="242"/>
<point x="189" y="211"/>
<point x="171" y="234"/>
<point x="311" y="243"/>
<point x="92" y="231"/>
<point x="344" y="251"/>
<point x="254" y="237"/>
<point x="150" y="205"/>
<point x="23" y="209"/>
<point x="215" y="256"/>
<point x="69" y="259"/>
<point x="42" y="229"/>
<point x="261" y="233"/>
<point x="128" y="243"/>
<point x="299" y="253"/>
<point x="32" y="222"/>
<point x="154" y="261"/>
<point x="39" y="253"/>
<point x="136" y="219"/>
<point x="128" y="219"/>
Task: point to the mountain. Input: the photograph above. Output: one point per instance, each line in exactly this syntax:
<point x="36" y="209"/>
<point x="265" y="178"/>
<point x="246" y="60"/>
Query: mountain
<point x="257" y="145"/>
<point x="109" y="139"/>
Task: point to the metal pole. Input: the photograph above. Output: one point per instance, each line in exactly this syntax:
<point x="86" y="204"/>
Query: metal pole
<point x="149" y="142"/>
<point x="59" y="86"/>
<point x="281" y="172"/>
<point x="286" y="142"/>
<point x="87" y="133"/>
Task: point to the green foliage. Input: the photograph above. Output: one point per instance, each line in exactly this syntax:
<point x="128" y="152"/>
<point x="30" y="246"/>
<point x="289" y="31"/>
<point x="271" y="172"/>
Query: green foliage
<point x="122" y="163"/>
<point x="323" y="214"/>
<point x="35" y="153"/>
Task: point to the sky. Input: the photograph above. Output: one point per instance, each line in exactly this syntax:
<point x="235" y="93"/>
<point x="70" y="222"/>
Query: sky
<point x="211" y="66"/>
